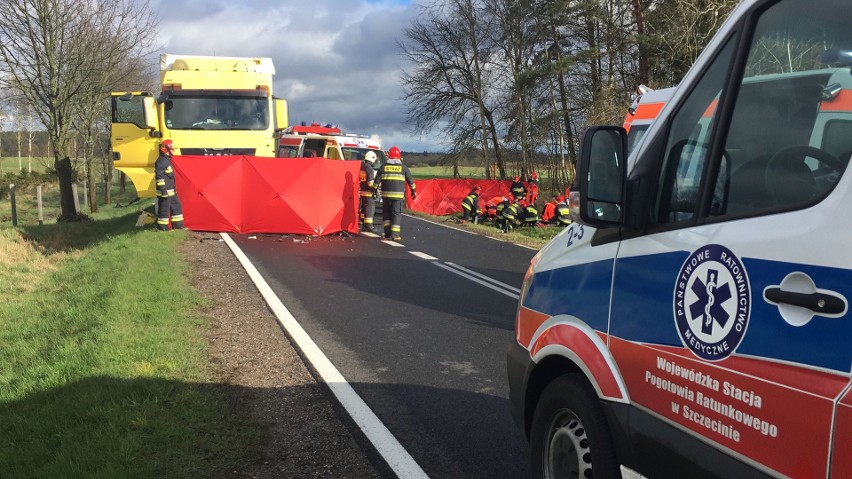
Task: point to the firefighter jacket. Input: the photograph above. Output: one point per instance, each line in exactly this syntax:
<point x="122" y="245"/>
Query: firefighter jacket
<point x="367" y="176"/>
<point x="392" y="177"/>
<point x="517" y="189"/>
<point x="530" y="215"/>
<point x="470" y="203"/>
<point x="511" y="212"/>
<point x="164" y="175"/>
<point x="563" y="214"/>
<point x="502" y="206"/>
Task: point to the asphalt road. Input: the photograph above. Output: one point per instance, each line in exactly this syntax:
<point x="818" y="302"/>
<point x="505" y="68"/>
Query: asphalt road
<point x="419" y="331"/>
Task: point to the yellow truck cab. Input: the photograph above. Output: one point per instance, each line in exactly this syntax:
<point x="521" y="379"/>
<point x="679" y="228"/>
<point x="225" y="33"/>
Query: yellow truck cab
<point x="208" y="106"/>
<point x="326" y="141"/>
<point x="695" y="322"/>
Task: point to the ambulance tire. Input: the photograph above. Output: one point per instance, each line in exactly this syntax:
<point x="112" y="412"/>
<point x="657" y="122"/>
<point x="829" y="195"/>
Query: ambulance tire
<point x="569" y="435"/>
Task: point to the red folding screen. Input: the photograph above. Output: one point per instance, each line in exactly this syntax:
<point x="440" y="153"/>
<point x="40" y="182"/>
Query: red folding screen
<point x="249" y="194"/>
<point x="444" y="196"/>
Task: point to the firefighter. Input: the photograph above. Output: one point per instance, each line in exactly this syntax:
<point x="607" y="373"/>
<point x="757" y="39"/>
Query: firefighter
<point x="367" y="193"/>
<point x="517" y="188"/>
<point x="510" y="215"/>
<point x="548" y="216"/>
<point x="563" y="214"/>
<point x="168" y="203"/>
<point x="501" y="205"/>
<point x="532" y="189"/>
<point x="490" y="213"/>
<point x="392" y="177"/>
<point x="529" y="214"/>
<point x="470" y="205"/>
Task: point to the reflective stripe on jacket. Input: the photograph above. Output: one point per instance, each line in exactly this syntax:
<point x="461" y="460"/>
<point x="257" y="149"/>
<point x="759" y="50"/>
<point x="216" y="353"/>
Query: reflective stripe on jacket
<point x="393" y="176"/>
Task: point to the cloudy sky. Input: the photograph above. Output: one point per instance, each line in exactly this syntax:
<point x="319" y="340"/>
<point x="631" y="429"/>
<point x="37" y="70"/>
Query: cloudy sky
<point x="336" y="61"/>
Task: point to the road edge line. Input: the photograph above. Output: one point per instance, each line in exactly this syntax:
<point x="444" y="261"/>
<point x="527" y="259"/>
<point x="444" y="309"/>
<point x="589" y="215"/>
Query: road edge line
<point x="396" y="456"/>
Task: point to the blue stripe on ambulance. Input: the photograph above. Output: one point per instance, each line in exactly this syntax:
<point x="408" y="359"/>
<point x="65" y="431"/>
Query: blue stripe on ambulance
<point x="644" y="291"/>
<point x="582" y="291"/>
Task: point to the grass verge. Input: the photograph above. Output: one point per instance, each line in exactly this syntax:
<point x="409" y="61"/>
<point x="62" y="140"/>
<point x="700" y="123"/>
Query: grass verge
<point x="103" y="362"/>
<point x="532" y="237"/>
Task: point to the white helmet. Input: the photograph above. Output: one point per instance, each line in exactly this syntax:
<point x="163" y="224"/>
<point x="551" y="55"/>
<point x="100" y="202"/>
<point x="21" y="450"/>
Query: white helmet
<point x="370" y="156"/>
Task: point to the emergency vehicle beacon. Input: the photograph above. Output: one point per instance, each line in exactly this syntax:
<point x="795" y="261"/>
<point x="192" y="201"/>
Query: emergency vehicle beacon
<point x="696" y="322"/>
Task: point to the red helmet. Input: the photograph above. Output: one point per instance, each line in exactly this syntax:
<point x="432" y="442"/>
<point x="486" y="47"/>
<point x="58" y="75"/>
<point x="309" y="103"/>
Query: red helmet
<point x="394" y="153"/>
<point x="477" y="188"/>
<point x="534" y="176"/>
<point x="560" y="198"/>
<point x="522" y="203"/>
<point x="517" y="178"/>
<point x="166" y="146"/>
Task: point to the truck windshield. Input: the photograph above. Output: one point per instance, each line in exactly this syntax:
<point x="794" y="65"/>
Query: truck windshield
<point x="216" y="112"/>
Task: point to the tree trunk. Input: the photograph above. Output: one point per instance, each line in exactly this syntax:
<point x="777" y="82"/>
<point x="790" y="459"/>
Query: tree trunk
<point x="65" y="173"/>
<point x="644" y="68"/>
<point x="108" y="172"/>
<point x="90" y="180"/>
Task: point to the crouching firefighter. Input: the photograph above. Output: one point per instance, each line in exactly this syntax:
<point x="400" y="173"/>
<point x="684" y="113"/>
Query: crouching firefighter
<point x="470" y="205"/>
<point x="392" y="177"/>
<point x="168" y="203"/>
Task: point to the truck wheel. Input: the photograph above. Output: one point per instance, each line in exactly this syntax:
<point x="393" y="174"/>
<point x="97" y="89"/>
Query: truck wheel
<point x="570" y="437"/>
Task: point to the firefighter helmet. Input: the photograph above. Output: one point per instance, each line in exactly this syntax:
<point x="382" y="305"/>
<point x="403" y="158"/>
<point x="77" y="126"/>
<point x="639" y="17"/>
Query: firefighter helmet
<point x="534" y="176"/>
<point x="166" y="146"/>
<point x="394" y="153"/>
<point x="370" y="156"/>
<point x="522" y="203"/>
<point x="560" y="199"/>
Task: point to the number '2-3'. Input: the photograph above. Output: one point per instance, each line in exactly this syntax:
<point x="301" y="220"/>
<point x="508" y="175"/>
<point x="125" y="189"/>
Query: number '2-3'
<point x="575" y="231"/>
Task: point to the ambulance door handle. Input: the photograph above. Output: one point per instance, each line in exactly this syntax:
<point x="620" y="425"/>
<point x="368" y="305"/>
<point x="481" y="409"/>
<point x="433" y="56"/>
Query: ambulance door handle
<point x="817" y="302"/>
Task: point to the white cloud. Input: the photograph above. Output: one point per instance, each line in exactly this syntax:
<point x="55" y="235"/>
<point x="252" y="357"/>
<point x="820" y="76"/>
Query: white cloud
<point x="336" y="60"/>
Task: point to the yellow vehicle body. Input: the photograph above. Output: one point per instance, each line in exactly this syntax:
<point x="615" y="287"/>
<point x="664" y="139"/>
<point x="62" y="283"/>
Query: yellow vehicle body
<point x="208" y="106"/>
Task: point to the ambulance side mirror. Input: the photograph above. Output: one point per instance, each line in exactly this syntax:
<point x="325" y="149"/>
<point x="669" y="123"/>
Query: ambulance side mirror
<point x="601" y="176"/>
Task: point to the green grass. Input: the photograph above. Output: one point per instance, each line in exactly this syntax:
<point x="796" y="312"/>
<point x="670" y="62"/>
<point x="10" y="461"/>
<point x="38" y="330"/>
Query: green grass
<point x="103" y="364"/>
<point x="426" y="172"/>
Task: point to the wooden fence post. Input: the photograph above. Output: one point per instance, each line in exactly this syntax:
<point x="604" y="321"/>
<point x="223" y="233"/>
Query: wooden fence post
<point x="40" y="210"/>
<point x="14" y="206"/>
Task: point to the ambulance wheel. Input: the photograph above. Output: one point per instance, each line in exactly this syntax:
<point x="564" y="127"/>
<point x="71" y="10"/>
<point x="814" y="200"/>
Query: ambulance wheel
<point x="569" y="436"/>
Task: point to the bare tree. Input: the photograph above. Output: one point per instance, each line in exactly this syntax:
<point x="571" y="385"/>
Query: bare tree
<point x="61" y="54"/>
<point x="676" y="32"/>
<point x="451" y="46"/>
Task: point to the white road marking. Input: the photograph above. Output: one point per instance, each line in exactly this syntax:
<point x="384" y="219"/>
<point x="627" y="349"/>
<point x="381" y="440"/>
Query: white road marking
<point x="486" y="278"/>
<point x="477" y="280"/>
<point x="423" y="256"/>
<point x="393" y="243"/>
<point x="368" y="234"/>
<point x="399" y="460"/>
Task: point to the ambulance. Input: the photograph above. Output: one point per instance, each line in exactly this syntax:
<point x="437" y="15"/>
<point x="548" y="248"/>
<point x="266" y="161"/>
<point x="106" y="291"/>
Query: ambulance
<point x="643" y="111"/>
<point x="695" y="323"/>
<point x="326" y="141"/>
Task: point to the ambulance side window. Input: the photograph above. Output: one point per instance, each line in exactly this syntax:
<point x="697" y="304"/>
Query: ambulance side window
<point x="781" y="159"/>
<point x="688" y="145"/>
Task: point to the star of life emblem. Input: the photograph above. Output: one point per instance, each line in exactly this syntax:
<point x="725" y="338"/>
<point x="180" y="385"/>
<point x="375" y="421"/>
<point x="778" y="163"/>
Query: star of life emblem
<point x="712" y="302"/>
